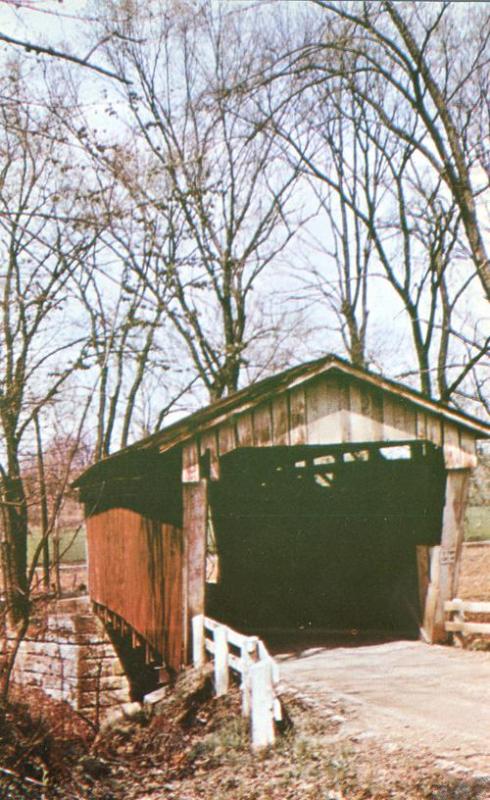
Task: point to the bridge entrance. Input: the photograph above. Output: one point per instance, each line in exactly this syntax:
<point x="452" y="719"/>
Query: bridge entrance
<point x="324" y="537"/>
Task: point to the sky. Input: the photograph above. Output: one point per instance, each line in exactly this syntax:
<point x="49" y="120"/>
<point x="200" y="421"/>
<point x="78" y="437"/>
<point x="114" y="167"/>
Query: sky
<point x="46" y="18"/>
<point x="67" y="25"/>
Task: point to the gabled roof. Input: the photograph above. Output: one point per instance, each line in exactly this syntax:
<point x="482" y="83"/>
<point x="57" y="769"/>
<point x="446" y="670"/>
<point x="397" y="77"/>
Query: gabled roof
<point x="256" y="393"/>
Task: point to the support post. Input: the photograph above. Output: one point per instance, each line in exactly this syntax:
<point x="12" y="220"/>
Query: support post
<point x="262" y="697"/>
<point x="432" y="600"/>
<point x="458" y="616"/>
<point x="221" y="669"/>
<point x="194" y="579"/>
<point x="248" y="654"/>
<point x="445" y="574"/>
<point x="198" y="640"/>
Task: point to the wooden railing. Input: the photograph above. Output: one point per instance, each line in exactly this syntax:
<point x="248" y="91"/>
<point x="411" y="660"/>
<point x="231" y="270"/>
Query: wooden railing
<point x="249" y="658"/>
<point x="459" y="626"/>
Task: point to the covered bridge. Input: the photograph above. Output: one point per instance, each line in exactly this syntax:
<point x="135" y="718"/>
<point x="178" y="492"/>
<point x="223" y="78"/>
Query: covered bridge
<point x="325" y="497"/>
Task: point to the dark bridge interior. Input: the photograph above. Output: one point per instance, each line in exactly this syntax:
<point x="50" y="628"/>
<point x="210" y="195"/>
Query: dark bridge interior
<point x="324" y="537"/>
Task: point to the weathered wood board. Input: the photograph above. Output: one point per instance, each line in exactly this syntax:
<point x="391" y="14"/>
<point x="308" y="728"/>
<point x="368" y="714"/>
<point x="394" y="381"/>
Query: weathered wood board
<point x="135" y="570"/>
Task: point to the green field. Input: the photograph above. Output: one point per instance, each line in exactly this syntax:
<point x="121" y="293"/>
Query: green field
<point x="72" y="545"/>
<point x="477" y="523"/>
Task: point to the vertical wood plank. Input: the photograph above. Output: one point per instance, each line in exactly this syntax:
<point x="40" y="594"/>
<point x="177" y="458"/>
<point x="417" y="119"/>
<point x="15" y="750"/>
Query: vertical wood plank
<point x="226" y="437"/>
<point x="450" y="433"/>
<point x="209" y="441"/>
<point x="467" y="442"/>
<point x="323" y="411"/>
<point x="174" y="598"/>
<point x="245" y="430"/>
<point x="345" y="414"/>
<point x="434" y="429"/>
<point x="373" y="402"/>
<point x="455" y="457"/>
<point x="395" y="425"/>
<point x="297" y="423"/>
<point x="421" y="425"/>
<point x="139" y="582"/>
<point x="355" y="404"/>
<point x="280" y="420"/>
<point x="190" y="462"/>
<point x="366" y="411"/>
<point x="262" y="422"/>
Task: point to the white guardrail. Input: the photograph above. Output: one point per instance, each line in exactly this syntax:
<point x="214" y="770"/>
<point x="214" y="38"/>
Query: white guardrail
<point x="459" y="626"/>
<point x="248" y="657"/>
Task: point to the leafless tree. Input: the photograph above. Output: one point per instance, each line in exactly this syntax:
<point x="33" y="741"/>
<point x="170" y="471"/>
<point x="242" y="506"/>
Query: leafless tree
<point x="431" y="58"/>
<point x="219" y="184"/>
<point x="40" y="347"/>
<point x="361" y="139"/>
<point x="35" y="47"/>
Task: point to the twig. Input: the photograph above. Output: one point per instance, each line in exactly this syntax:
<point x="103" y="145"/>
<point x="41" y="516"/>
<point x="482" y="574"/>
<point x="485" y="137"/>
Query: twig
<point x="22" y="778"/>
<point x="51" y="51"/>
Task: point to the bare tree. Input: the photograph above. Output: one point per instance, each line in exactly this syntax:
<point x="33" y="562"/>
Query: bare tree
<point x="40" y="347"/>
<point x="365" y="148"/>
<point x="431" y="57"/>
<point x="219" y="184"/>
<point x="37" y="48"/>
<point x="328" y="142"/>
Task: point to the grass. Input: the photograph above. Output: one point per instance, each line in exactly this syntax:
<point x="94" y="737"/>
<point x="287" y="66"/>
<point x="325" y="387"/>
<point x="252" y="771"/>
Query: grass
<point x="72" y="545"/>
<point x="477" y="524"/>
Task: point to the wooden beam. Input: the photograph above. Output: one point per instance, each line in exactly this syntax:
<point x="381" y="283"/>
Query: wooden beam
<point x="471" y="606"/>
<point x="463" y="627"/>
<point x="280" y="420"/>
<point x="457" y="482"/>
<point x="190" y="462"/>
<point x="262" y="422"/>
<point x="195" y="500"/>
<point x="432" y="599"/>
<point x="297" y="416"/>
<point x="423" y="572"/>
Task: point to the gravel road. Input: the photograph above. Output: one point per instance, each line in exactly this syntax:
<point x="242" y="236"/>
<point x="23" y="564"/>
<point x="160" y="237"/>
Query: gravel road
<point x="430" y="696"/>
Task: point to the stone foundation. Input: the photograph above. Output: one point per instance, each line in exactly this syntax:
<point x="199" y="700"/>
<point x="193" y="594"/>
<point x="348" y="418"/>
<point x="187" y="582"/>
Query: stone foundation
<point x="68" y="654"/>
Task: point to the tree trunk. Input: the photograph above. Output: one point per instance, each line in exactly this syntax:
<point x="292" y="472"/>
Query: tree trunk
<point x="15" y="552"/>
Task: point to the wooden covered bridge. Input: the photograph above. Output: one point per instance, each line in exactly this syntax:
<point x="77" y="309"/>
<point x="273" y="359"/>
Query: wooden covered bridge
<point x="322" y="497"/>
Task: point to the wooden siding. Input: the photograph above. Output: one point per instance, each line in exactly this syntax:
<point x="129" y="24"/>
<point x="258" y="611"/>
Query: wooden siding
<point x="135" y="570"/>
<point x="280" y="420"/>
<point x="329" y="409"/>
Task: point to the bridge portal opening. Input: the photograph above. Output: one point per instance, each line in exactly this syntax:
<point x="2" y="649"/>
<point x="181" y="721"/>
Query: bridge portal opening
<point x="324" y="537"/>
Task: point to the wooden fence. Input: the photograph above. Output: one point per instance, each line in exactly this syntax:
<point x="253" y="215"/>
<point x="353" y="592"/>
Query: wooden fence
<point x="459" y="626"/>
<point x="248" y="657"/>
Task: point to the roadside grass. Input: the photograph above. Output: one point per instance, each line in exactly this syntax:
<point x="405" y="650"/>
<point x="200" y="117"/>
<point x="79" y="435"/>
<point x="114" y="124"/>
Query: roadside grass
<point x="72" y="544"/>
<point x="312" y="760"/>
<point x="196" y="746"/>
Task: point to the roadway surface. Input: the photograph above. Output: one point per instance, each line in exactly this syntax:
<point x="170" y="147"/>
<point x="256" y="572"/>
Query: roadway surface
<point x="406" y="691"/>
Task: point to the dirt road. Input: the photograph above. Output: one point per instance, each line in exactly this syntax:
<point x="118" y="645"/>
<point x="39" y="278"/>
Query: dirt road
<point x="434" y="697"/>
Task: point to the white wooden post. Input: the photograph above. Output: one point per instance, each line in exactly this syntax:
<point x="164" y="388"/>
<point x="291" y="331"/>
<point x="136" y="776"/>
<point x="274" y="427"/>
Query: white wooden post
<point x="262" y="722"/>
<point x="277" y="707"/>
<point x="458" y="616"/>
<point x="221" y="672"/>
<point x="248" y="653"/>
<point x="198" y="640"/>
